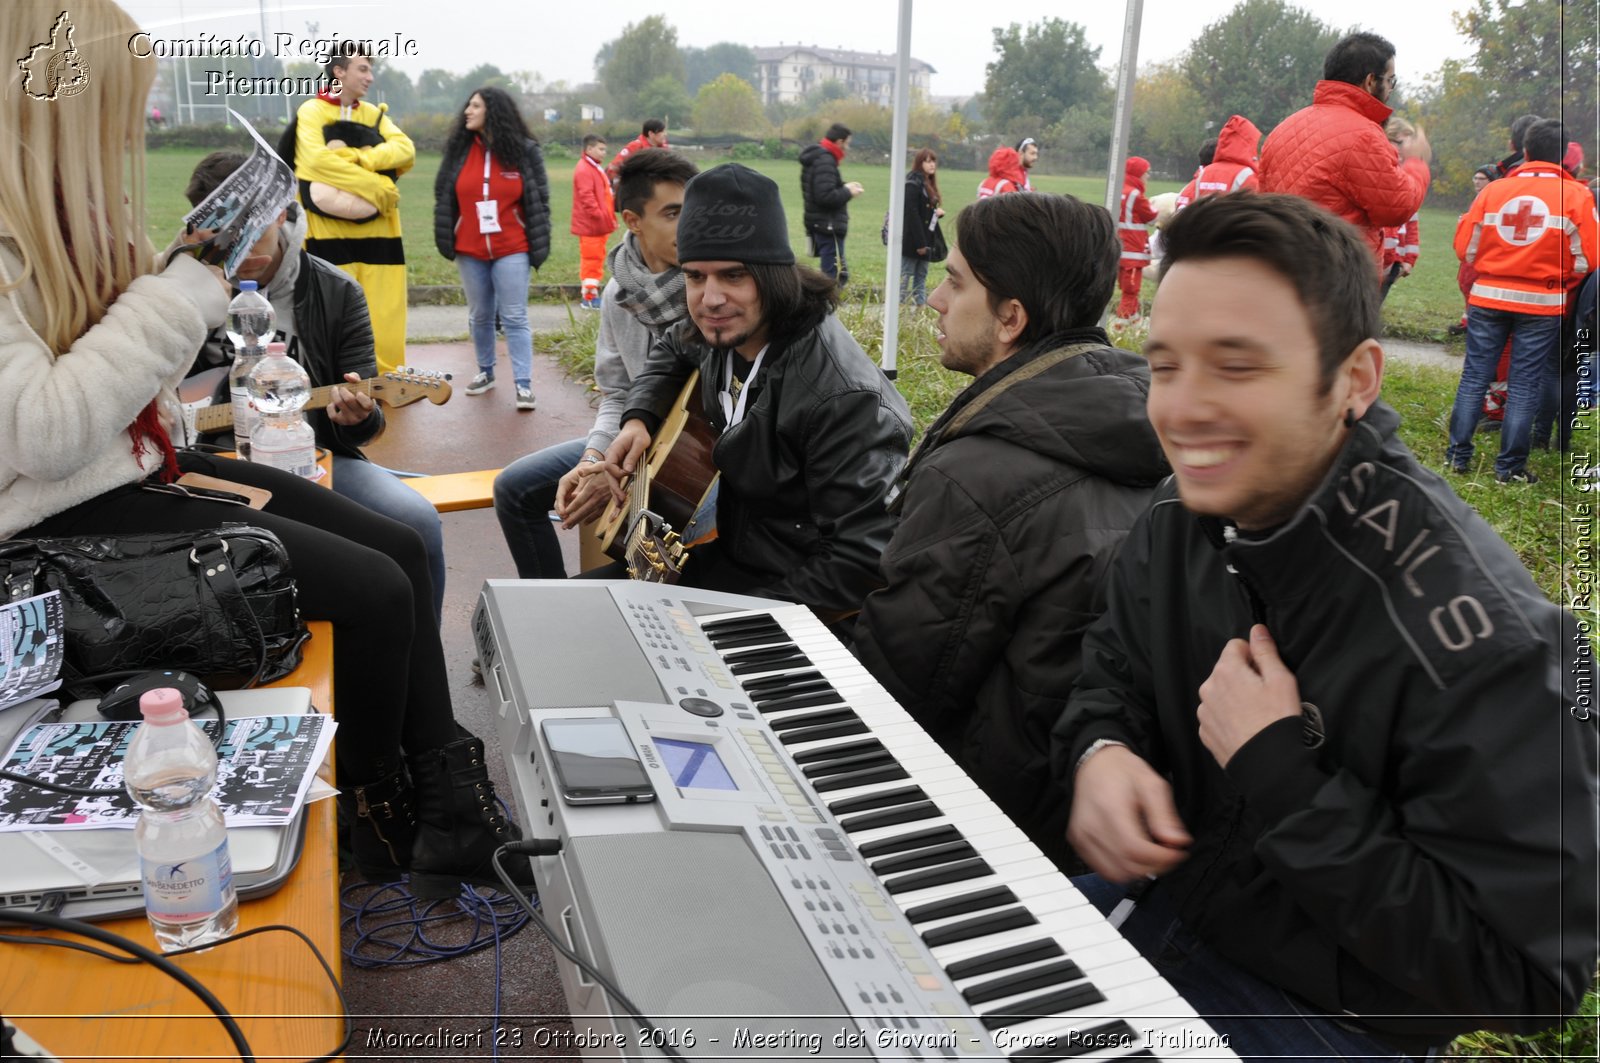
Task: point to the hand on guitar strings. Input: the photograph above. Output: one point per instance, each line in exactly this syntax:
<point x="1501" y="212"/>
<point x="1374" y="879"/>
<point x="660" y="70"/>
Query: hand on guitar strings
<point x="623" y="455"/>
<point x="348" y="407"/>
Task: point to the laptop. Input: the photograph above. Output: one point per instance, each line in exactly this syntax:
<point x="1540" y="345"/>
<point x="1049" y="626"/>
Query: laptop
<point x="94" y="874"/>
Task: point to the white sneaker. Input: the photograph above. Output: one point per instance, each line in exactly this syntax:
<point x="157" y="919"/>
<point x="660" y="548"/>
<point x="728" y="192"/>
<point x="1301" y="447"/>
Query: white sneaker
<point x="480" y="383"/>
<point x="525" y="399"/>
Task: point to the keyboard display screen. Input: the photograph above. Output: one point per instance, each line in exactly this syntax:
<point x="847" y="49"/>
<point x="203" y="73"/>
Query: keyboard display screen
<point x="694" y="765"/>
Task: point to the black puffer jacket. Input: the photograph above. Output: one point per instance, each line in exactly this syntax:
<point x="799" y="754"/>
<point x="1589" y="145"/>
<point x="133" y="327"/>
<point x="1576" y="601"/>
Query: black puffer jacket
<point x="1014" y="508"/>
<point x="1420" y="852"/>
<point x="801" y="508"/>
<point x="827" y="200"/>
<point x="535" y="202"/>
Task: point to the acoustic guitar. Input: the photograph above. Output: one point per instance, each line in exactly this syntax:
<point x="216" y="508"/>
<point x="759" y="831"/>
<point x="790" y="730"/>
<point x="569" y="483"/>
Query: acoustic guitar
<point x="648" y="532"/>
<point x="399" y="387"/>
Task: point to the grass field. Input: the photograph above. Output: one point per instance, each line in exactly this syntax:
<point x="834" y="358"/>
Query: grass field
<point x="1419" y="307"/>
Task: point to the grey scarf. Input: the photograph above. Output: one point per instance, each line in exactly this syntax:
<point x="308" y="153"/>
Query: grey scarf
<point x="655" y="299"/>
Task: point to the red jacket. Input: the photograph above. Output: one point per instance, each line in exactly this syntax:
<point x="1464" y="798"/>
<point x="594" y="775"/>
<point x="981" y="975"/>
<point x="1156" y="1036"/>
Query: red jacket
<point x="1005" y="174"/>
<point x="1402" y="244"/>
<point x="1532" y="236"/>
<point x="638" y="143"/>
<point x="591" y="200"/>
<point x="505" y="188"/>
<point x="1133" y="217"/>
<point x="1335" y="154"/>
<point x="1232" y="168"/>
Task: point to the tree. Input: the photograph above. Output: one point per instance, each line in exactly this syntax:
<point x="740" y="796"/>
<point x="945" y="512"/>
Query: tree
<point x="702" y="65"/>
<point x="1261" y="60"/>
<point x="729" y="105"/>
<point x="665" y="98"/>
<point x="831" y="90"/>
<point x="436" y="90"/>
<point x="485" y="75"/>
<point x="1169" y="122"/>
<point x="1047" y="70"/>
<point x="643" y="52"/>
<point x="1528" y="59"/>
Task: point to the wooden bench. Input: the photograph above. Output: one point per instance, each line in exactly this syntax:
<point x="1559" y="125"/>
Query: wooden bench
<point x="453" y="491"/>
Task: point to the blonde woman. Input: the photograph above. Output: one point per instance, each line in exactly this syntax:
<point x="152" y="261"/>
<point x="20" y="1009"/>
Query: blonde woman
<point x="95" y="330"/>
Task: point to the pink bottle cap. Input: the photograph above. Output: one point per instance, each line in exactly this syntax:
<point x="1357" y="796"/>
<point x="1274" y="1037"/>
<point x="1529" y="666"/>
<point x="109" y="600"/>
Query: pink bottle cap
<point x="162" y="705"/>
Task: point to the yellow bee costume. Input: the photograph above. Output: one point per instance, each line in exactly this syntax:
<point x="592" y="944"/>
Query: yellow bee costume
<point x="347" y="159"/>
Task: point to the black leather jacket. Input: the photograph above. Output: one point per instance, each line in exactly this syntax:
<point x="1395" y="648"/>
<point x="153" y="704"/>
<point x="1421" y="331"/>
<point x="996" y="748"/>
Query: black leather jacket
<point x="826" y="199"/>
<point x="333" y="333"/>
<point x="800" y="510"/>
<point x="1419" y="850"/>
<point x="535" y="203"/>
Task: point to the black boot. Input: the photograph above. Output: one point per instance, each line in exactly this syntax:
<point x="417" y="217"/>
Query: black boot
<point x="383" y="823"/>
<point x="459" y="824"/>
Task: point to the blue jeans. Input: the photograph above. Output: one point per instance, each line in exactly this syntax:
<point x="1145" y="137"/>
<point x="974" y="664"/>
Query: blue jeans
<point x="914" y="279"/>
<point x="1259" y="1019"/>
<point x="830" y="247"/>
<point x="1534" y="342"/>
<point x="524" y="494"/>
<point x="383" y="492"/>
<point x="499" y="286"/>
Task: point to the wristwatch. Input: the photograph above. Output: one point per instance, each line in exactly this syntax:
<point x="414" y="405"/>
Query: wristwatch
<point x="592" y="459"/>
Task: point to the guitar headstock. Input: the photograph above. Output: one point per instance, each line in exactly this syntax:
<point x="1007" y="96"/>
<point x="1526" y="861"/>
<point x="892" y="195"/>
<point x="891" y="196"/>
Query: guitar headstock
<point x="402" y="386"/>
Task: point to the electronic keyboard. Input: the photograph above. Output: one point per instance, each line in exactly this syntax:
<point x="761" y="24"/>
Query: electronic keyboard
<point x="814" y="876"/>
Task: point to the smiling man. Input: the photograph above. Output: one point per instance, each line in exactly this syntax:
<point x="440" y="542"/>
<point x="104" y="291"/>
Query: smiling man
<point x="1017" y="499"/>
<point x="1327" y="710"/>
<point x="810" y="433"/>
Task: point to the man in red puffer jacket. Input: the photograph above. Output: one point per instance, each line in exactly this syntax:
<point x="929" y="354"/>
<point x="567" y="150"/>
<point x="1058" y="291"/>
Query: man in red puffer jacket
<point x="1334" y="152"/>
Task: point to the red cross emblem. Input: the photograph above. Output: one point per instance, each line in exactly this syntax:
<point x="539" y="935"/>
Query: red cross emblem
<point x="1522" y="220"/>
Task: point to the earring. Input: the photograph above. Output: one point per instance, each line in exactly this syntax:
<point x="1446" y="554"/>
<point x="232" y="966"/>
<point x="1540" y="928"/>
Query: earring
<point x="1350" y="418"/>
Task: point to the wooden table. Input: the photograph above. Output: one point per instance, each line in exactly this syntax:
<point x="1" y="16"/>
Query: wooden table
<point x="81" y="1007"/>
<point x="84" y="1008"/>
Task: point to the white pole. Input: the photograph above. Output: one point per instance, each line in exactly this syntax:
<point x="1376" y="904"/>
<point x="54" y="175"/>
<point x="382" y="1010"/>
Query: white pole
<point x="1122" y="118"/>
<point x="897" y="192"/>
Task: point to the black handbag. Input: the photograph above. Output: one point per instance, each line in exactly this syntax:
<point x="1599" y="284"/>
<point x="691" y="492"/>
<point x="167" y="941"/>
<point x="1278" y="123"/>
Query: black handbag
<point x="938" y="250"/>
<point x="218" y="604"/>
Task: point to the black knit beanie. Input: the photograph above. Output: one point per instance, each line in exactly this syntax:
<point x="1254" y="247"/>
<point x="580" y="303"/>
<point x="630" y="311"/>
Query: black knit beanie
<point x="732" y="213"/>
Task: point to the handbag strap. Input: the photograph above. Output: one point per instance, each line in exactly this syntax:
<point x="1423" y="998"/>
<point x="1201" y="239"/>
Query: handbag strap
<point x="211" y="559"/>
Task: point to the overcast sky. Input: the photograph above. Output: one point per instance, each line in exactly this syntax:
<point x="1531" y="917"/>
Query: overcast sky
<point x="558" y="39"/>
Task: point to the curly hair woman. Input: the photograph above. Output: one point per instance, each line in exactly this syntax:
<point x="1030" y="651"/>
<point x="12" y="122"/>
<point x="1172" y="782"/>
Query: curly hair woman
<point x="491" y="215"/>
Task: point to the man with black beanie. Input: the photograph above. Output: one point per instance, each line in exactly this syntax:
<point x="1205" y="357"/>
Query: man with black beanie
<point x="810" y="433"/>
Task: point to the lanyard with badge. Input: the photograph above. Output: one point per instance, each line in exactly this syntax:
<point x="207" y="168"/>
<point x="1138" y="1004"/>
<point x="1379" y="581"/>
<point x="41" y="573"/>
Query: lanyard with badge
<point x="733" y="410"/>
<point x="488" y="209"/>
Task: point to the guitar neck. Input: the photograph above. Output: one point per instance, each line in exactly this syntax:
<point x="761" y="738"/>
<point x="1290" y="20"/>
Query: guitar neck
<point x="219" y="418"/>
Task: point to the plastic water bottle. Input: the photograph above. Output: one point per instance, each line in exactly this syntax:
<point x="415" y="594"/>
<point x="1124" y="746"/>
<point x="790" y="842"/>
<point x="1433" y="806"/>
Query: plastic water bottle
<point x="250" y="319"/>
<point x="279" y="389"/>
<point x="169" y="769"/>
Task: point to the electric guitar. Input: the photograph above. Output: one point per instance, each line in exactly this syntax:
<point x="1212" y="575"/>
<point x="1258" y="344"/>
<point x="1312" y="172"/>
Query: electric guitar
<point x="400" y="387"/>
<point x="651" y="533"/>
